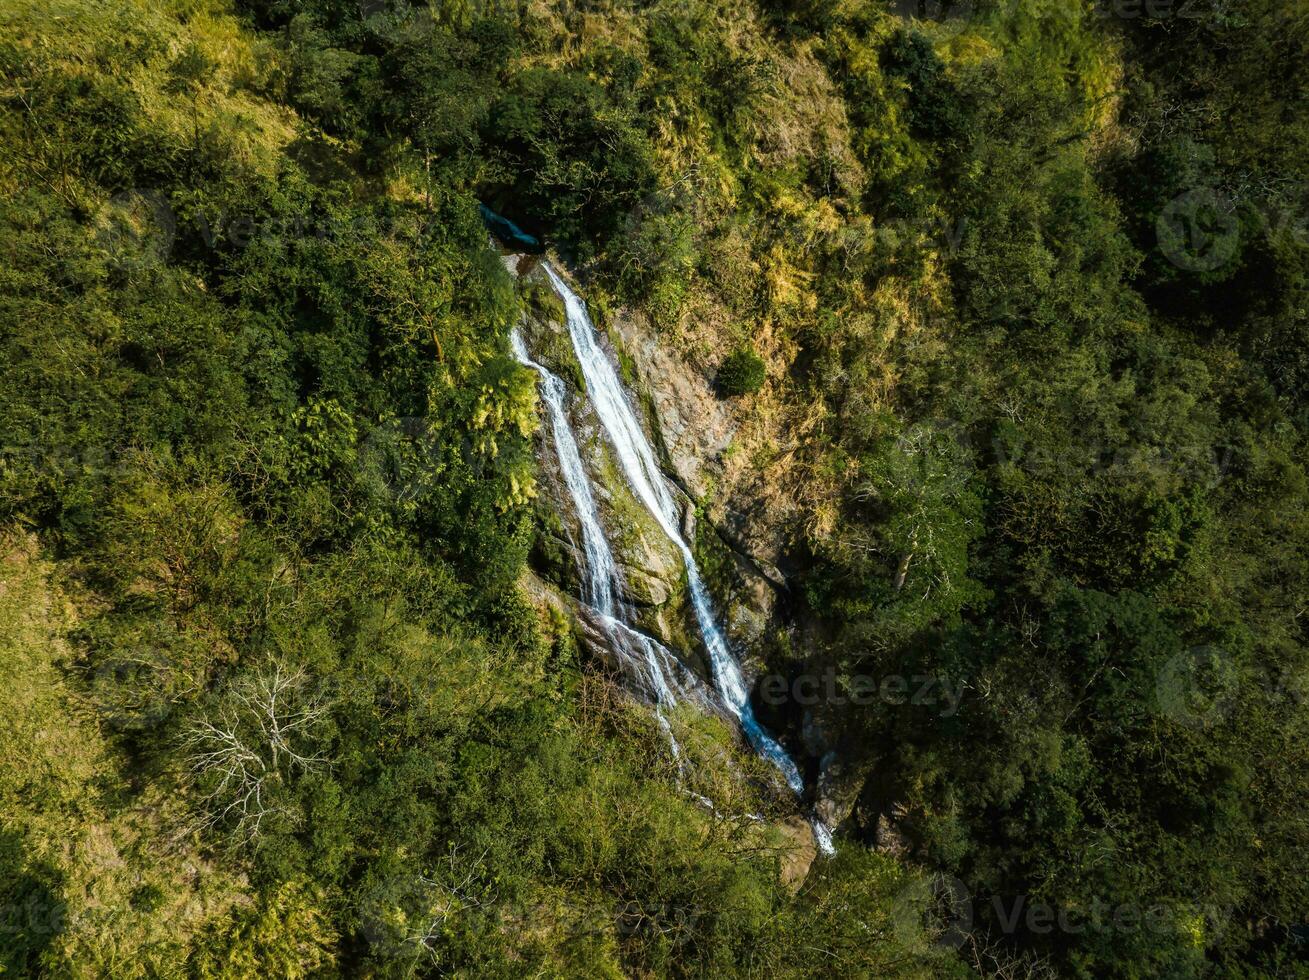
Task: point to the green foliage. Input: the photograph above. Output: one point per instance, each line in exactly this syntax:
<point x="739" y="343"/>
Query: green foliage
<point x="934" y="109"/>
<point x="577" y="163"/>
<point x="294" y="514"/>
<point x="285" y="933"/>
<point x="263" y="436"/>
<point x="741" y="373"/>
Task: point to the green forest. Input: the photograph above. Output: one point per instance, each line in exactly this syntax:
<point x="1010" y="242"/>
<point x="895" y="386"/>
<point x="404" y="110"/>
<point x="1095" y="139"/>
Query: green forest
<point x="1010" y="301"/>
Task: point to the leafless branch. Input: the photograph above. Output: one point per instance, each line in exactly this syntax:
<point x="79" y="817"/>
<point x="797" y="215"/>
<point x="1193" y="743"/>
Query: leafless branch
<point x="261" y="735"/>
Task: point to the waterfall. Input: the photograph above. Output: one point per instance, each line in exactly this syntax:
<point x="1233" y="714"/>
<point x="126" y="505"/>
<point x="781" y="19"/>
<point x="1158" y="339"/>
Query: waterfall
<point x="637" y="461"/>
<point x="601" y="569"/>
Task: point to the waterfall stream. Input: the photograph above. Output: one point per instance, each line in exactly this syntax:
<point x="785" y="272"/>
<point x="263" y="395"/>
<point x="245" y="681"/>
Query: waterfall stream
<point x="636" y="458"/>
<point x="601" y="569"/>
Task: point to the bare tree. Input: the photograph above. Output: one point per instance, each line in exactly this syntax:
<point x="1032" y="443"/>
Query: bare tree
<point x="460" y="888"/>
<point x="998" y="962"/>
<point x="261" y="737"/>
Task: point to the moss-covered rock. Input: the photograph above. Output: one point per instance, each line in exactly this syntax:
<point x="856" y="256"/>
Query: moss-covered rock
<point x="541" y="300"/>
<point x="553" y="553"/>
<point x="544" y="329"/>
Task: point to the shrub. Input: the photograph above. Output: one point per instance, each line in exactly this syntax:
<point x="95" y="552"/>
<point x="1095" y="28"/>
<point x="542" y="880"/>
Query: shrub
<point x="741" y="373"/>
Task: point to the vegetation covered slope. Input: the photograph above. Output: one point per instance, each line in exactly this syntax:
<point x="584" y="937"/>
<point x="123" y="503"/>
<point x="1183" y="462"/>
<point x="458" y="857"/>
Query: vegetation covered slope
<point x="1028" y="286"/>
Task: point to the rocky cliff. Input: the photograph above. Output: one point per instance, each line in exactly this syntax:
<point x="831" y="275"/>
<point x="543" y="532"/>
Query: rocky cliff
<point x="739" y="524"/>
<point x="737" y="542"/>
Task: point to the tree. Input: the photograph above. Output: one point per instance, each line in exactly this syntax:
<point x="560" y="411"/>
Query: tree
<point x="266" y="732"/>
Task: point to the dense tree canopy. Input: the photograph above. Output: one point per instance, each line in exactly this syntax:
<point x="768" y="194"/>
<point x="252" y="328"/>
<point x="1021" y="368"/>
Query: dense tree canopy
<point x="1023" y="284"/>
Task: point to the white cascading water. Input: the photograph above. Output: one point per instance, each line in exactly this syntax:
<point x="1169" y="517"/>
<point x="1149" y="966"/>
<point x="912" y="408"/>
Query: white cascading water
<point x="601" y="569"/>
<point x="637" y="460"/>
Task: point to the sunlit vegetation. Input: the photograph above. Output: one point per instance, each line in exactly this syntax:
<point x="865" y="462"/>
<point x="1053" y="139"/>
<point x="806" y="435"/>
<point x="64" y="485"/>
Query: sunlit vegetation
<point x="274" y="699"/>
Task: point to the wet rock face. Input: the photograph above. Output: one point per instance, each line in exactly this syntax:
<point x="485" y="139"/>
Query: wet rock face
<point x="694" y="428"/>
<point x="653" y="582"/>
<point x="839" y="785"/>
<point x="646" y="587"/>
<point x="737" y="540"/>
<point x="554" y="551"/>
<point x="544" y="329"/>
<point x="735" y="536"/>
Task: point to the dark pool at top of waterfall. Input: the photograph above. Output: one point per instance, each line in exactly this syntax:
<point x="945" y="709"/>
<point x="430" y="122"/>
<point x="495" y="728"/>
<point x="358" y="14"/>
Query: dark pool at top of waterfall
<point x="509" y="233"/>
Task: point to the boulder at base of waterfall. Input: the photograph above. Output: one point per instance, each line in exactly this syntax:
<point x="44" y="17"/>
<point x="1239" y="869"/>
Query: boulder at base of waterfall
<point x="843" y="770"/>
<point x="839" y="785"/>
<point x="799" y="851"/>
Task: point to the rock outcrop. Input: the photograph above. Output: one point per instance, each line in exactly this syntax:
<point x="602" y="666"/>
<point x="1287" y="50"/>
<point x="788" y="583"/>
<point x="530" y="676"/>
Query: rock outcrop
<point x="739" y="542"/>
<point x="695" y="430"/>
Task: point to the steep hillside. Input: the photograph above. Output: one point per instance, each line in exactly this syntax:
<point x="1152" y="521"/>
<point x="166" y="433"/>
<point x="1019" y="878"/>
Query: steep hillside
<point x="970" y="339"/>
